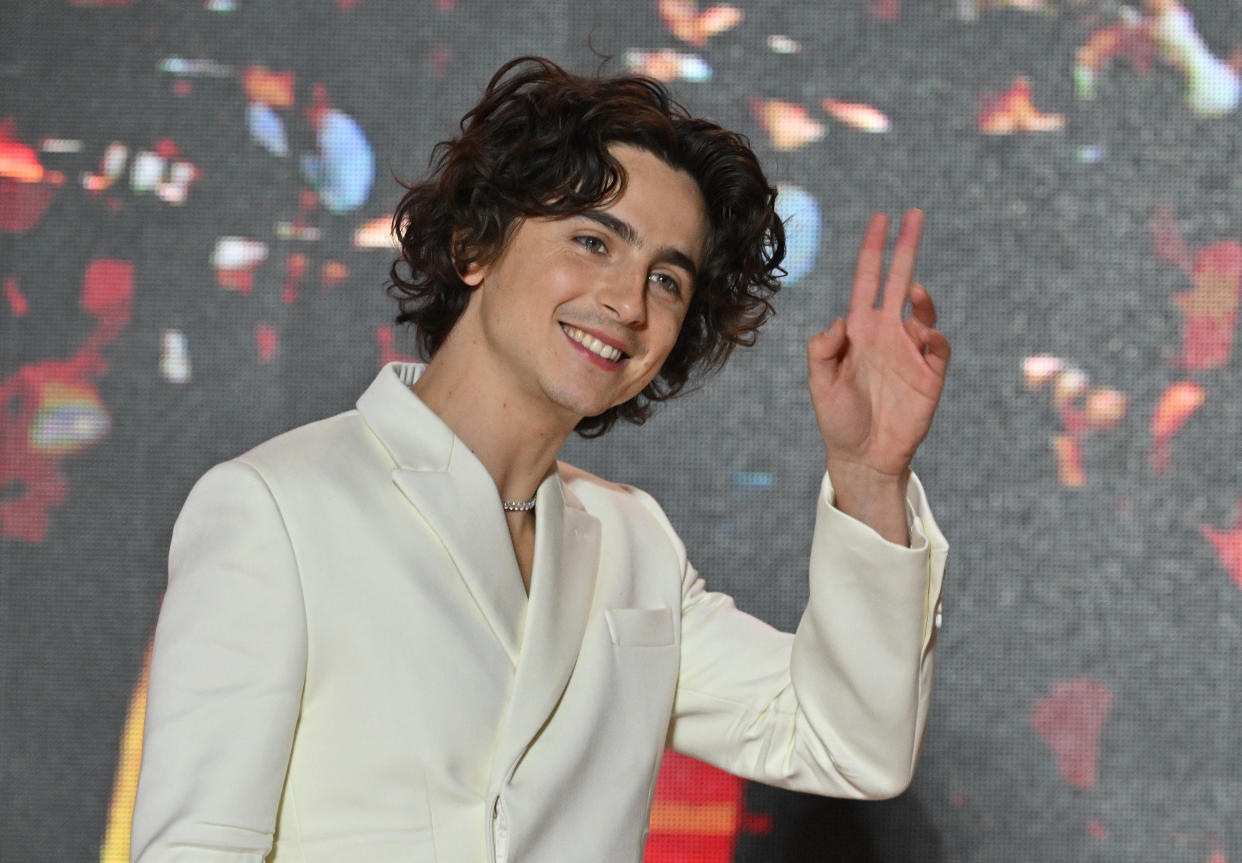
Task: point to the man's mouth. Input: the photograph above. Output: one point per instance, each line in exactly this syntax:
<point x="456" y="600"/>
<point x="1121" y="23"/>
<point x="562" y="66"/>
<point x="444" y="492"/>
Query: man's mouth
<point x="592" y="344"/>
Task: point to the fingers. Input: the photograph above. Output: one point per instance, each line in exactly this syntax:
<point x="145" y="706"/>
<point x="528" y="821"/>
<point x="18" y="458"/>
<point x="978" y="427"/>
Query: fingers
<point x="870" y="265"/>
<point x="901" y="269"/>
<point x="921" y="305"/>
<point x="938" y="352"/>
<point x="932" y="345"/>
<point x="825" y="348"/>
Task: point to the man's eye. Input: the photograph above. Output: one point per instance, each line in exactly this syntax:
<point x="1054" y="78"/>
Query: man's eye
<point x="591" y="244"/>
<point x="666" y="282"/>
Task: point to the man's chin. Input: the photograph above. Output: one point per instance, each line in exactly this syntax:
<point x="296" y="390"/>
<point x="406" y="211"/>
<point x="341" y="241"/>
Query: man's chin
<point x="585" y="404"/>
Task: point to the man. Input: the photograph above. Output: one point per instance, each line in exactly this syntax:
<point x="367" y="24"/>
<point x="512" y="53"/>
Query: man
<point x="408" y="633"/>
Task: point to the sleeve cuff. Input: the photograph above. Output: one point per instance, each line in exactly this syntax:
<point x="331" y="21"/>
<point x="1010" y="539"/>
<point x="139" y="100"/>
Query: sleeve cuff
<point x="916" y="508"/>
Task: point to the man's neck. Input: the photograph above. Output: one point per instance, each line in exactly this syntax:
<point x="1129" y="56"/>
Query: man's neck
<point x="517" y="447"/>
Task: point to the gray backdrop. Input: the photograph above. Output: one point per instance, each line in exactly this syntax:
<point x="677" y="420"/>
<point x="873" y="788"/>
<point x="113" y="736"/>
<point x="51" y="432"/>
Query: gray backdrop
<point x="1088" y="685"/>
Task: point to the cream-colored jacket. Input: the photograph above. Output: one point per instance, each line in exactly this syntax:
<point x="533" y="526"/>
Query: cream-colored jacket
<point x="346" y="667"/>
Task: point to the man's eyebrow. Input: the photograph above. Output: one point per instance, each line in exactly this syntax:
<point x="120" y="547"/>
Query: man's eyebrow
<point x="626" y="232"/>
<point x="621" y="228"/>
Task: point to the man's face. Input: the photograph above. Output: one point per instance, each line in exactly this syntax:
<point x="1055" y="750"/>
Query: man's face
<point x="578" y="314"/>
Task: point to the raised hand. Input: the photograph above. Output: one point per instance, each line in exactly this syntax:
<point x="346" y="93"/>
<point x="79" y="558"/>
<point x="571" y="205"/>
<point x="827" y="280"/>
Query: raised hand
<point x="876" y="377"/>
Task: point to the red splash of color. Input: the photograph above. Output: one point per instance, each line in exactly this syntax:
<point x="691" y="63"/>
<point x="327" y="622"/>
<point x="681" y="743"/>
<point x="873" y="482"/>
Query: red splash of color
<point x="1206" y="343"/>
<point x="332" y="273"/>
<point x="22" y="204"/>
<point x="106" y="295"/>
<point x="25" y="188"/>
<point x="346" y="5"/>
<point x="267" y="341"/>
<point x="241" y="280"/>
<point x="1210" y="308"/>
<point x="1083" y="410"/>
<point x="18" y="161"/>
<point x="1068" y="448"/>
<point x="788" y="125"/>
<point x="319" y="105"/>
<point x="274" y="89"/>
<point x="445" y="5"/>
<point x="17" y="302"/>
<point x="182" y="87"/>
<point x="1128" y="41"/>
<point x="1177" y="404"/>
<point x="1013" y="111"/>
<point x="1136" y="45"/>
<point x="108" y="288"/>
<point x="295" y="269"/>
<point x="684" y="20"/>
<point x="166" y="148"/>
<point x="697" y="813"/>
<point x="1097" y="829"/>
<point x="388" y="353"/>
<point x="1069" y="719"/>
<point x="1228" y="546"/>
<point x="756" y="823"/>
<point x="1074" y="420"/>
<point x="885" y="10"/>
<point x="37" y="475"/>
<point x="1167" y="238"/>
<point x="439" y="59"/>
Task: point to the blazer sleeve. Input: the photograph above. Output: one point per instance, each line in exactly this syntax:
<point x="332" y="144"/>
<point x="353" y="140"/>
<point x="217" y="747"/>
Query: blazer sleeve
<point x="227" y="670"/>
<point x="839" y="707"/>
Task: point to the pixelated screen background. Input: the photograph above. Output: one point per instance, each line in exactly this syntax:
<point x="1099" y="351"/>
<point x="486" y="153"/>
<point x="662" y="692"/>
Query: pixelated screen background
<point x="194" y="241"/>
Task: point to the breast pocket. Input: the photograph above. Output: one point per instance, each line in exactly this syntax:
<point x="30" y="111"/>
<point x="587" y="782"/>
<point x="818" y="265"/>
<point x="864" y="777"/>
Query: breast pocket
<point x="640" y="627"/>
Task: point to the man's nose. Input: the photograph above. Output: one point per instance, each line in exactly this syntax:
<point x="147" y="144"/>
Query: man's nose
<point x="625" y="296"/>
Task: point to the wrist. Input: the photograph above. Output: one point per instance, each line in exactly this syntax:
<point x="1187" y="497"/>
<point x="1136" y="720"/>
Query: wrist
<point x="864" y="478"/>
<point x="873" y="497"/>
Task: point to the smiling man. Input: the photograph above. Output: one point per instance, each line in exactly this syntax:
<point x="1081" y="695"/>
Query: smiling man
<point x="408" y="633"/>
<point x="578" y="315"/>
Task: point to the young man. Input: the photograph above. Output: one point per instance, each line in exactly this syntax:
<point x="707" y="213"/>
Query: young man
<point x="408" y="633"/>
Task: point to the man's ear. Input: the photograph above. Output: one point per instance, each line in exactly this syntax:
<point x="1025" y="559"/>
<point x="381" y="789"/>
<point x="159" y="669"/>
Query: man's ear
<point x="474" y="273"/>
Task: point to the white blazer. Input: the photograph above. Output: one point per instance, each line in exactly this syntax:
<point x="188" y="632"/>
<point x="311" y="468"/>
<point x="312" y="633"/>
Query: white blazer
<point x="347" y="668"/>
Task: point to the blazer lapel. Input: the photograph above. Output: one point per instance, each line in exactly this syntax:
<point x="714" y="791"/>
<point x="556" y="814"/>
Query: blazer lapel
<point x="477" y="539"/>
<point x="562" y="588"/>
<point x="445" y="482"/>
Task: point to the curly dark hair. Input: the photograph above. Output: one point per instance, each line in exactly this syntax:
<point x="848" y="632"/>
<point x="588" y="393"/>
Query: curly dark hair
<point x="537" y="146"/>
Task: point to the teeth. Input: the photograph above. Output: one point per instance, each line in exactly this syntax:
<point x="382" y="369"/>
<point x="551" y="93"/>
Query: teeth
<point x="593" y="344"/>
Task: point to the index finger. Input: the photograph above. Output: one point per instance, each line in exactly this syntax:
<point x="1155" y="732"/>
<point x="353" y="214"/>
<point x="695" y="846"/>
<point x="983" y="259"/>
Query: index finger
<point x="870" y="265"/>
<point x="901" y="269"/>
